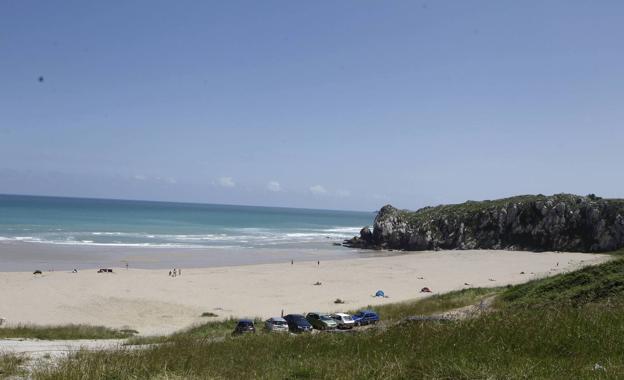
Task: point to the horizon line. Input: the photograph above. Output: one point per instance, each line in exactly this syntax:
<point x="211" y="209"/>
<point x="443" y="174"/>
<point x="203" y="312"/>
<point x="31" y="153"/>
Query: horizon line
<point x="177" y="202"/>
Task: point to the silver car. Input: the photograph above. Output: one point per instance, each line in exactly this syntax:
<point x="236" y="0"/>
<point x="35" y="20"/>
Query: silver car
<point x="343" y="320"/>
<point x="276" y="324"/>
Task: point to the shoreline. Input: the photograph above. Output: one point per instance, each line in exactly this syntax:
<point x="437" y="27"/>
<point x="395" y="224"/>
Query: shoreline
<point x="150" y="301"/>
<point x="47" y="257"/>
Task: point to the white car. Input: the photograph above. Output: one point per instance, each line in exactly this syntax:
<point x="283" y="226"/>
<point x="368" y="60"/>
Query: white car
<point x="276" y="324"/>
<point x="344" y="320"/>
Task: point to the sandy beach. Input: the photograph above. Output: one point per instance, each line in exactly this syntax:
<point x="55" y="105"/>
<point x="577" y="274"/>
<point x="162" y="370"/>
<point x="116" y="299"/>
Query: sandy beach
<point x="152" y="302"/>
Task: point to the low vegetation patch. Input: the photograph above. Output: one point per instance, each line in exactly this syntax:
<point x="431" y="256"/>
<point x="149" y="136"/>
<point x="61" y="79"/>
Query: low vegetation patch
<point x="593" y="284"/>
<point x="65" y="332"/>
<point x="395" y="312"/>
<point x="11" y="365"/>
<point x="213" y="331"/>
<point x="209" y="314"/>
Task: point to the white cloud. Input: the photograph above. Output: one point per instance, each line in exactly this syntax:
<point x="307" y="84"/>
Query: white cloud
<point x="318" y="189"/>
<point x="226" y="182"/>
<point x="274" y="186"/>
<point x="343" y="193"/>
<point x="141" y="177"/>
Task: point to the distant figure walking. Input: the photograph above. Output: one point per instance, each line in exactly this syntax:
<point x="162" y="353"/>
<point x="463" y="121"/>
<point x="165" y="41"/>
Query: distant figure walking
<point x="179" y="272"/>
<point x="318" y="263"/>
<point x="126" y="265"/>
<point x="169" y="273"/>
<point x="292" y="262"/>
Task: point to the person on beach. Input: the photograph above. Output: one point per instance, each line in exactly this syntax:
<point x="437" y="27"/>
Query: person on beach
<point x="169" y="273"/>
<point x="292" y="262"/>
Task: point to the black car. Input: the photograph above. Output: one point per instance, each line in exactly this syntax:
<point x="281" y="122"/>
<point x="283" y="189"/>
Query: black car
<point x="244" y="326"/>
<point x="297" y="323"/>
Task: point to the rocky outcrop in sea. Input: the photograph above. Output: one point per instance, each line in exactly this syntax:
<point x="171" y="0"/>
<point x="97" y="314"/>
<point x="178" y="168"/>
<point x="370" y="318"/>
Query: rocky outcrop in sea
<point x="562" y="222"/>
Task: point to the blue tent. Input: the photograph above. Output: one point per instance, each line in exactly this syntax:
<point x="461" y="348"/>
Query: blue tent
<point x="380" y="293"/>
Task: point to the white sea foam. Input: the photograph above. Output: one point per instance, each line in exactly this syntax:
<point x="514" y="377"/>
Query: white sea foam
<point x="233" y="237"/>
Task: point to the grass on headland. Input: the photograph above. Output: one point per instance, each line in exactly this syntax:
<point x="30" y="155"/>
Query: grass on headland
<point x="66" y="332"/>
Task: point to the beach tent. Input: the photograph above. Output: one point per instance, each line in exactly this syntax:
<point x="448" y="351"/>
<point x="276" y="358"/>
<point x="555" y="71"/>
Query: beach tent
<point x="380" y="293"/>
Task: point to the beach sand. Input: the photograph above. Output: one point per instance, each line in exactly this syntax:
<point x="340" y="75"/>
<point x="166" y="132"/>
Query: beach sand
<point x="151" y="302"/>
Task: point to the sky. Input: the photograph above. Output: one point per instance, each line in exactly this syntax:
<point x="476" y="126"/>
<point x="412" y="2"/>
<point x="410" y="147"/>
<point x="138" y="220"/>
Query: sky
<point x="318" y="104"/>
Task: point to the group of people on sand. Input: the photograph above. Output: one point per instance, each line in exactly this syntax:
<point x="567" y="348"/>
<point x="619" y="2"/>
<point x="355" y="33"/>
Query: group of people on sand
<point x="175" y="272"/>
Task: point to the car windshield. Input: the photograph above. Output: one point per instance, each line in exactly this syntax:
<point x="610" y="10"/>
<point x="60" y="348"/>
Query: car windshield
<point x="279" y="323"/>
<point x="326" y="318"/>
<point x="347" y="318"/>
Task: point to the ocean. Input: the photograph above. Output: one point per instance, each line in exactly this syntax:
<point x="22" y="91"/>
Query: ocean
<point x="125" y="223"/>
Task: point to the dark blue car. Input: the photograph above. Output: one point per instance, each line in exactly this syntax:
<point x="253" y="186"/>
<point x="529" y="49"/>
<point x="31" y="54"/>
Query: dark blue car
<point x="244" y="326"/>
<point x="365" y="317"/>
<point x="297" y="323"/>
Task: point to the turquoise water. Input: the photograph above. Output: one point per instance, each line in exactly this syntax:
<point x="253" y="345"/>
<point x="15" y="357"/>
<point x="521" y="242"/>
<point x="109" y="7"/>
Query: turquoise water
<point x="98" y="222"/>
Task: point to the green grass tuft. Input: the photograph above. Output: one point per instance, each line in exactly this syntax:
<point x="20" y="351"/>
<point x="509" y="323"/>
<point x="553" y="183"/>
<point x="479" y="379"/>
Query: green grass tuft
<point x="11" y="365"/>
<point x="66" y="332"/>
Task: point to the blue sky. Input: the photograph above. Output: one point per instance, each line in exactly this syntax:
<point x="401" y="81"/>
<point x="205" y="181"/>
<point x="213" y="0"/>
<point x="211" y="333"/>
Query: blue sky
<point x="346" y="105"/>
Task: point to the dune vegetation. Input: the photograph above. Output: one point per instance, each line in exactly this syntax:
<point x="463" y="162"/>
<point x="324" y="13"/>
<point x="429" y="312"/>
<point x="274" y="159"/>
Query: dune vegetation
<point x="11" y="365"/>
<point x="65" y="332"/>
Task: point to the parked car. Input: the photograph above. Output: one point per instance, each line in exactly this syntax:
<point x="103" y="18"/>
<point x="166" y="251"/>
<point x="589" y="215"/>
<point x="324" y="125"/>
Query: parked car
<point x="244" y="326"/>
<point x="276" y="324"/>
<point x="321" y="321"/>
<point x="344" y="321"/>
<point x="365" y="317"/>
<point x="297" y="323"/>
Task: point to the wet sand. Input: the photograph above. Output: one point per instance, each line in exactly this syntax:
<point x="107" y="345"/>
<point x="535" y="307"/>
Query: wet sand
<point x="28" y="257"/>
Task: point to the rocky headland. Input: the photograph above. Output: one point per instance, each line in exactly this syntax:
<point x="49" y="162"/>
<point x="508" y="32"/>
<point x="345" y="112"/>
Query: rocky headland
<point x="561" y="222"/>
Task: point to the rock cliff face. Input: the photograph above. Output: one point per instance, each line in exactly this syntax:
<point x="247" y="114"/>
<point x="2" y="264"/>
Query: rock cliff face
<point x="561" y="222"/>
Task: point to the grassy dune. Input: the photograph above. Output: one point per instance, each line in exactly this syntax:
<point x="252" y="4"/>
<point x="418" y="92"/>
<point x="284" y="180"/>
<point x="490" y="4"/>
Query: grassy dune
<point x="549" y="343"/>
<point x="66" y="332"/>
<point x="10" y="365"/>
